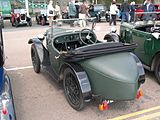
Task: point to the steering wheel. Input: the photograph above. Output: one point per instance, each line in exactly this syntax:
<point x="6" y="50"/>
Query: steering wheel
<point x="156" y="27"/>
<point x="85" y="36"/>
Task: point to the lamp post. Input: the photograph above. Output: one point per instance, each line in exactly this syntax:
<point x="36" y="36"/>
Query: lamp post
<point x="27" y="8"/>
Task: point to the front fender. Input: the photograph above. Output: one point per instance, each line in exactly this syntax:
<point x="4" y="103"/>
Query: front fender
<point x="82" y="79"/>
<point x="39" y="47"/>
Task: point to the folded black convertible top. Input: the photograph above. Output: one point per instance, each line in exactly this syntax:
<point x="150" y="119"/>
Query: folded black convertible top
<point x="95" y="50"/>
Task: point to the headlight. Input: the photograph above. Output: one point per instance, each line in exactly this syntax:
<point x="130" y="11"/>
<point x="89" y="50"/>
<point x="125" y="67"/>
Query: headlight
<point x="99" y="12"/>
<point x="17" y="15"/>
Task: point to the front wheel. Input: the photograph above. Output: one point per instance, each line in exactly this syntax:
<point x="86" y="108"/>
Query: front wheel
<point x="16" y="23"/>
<point x="35" y="59"/>
<point x="30" y="23"/>
<point x="72" y="90"/>
<point x="43" y="22"/>
<point x="157" y="71"/>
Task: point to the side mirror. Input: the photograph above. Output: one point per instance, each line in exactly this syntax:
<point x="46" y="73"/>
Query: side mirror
<point x="40" y="37"/>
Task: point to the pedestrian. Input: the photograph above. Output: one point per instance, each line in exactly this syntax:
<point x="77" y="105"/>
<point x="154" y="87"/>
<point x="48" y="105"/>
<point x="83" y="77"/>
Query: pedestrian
<point x="132" y="11"/>
<point x="72" y="12"/>
<point x="83" y="13"/>
<point x="50" y="12"/>
<point x="58" y="13"/>
<point x="125" y="8"/>
<point x="113" y="12"/>
<point x="148" y="7"/>
<point x="77" y="8"/>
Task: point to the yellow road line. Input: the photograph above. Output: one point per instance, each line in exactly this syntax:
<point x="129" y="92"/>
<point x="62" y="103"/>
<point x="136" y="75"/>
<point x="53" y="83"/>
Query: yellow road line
<point x="136" y="113"/>
<point x="148" y="117"/>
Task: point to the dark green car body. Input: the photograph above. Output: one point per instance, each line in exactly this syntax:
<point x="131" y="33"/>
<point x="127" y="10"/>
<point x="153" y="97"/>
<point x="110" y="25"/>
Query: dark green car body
<point x="107" y="71"/>
<point x="148" y="49"/>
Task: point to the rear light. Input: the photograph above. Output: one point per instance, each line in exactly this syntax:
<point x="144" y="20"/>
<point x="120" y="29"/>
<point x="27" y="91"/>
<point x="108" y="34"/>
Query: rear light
<point x="139" y="94"/>
<point x="103" y="106"/>
<point x="4" y="110"/>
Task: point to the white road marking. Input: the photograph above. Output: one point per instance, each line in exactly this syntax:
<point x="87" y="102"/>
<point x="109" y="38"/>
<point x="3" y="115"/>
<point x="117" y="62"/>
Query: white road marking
<point x="18" y="68"/>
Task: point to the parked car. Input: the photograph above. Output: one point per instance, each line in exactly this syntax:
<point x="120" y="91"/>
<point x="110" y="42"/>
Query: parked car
<point x="19" y="17"/>
<point x="157" y="7"/>
<point x="88" y="68"/>
<point x="41" y="18"/>
<point x="5" y="8"/>
<point x="139" y="9"/>
<point x="7" y="111"/>
<point x="99" y="11"/>
<point x="146" y="35"/>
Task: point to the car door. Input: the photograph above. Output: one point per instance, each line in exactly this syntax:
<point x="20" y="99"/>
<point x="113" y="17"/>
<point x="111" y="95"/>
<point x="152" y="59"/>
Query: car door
<point x="144" y="40"/>
<point x="53" y="55"/>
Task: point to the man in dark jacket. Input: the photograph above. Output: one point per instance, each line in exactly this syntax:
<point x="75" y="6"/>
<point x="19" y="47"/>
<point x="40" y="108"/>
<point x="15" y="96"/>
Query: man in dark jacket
<point x="132" y="11"/>
<point x="77" y="8"/>
<point x="72" y="12"/>
<point x="148" y="7"/>
<point x="125" y="8"/>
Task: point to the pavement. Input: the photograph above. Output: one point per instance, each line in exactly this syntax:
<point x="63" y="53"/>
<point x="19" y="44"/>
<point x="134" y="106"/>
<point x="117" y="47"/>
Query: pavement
<point x="39" y="97"/>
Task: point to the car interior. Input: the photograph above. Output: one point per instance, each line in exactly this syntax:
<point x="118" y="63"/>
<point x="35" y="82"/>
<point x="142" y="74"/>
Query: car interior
<point x="72" y="41"/>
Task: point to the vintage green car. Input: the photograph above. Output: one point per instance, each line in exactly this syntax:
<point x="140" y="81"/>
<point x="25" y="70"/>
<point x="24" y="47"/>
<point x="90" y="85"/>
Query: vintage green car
<point x="146" y="35"/>
<point x="88" y="67"/>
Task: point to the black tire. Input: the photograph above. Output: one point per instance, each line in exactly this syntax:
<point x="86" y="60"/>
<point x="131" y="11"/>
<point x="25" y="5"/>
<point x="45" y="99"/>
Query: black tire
<point x="30" y="23"/>
<point x="43" y="22"/>
<point x="98" y="18"/>
<point x="157" y="70"/>
<point x="72" y="90"/>
<point x="35" y="59"/>
<point x="16" y="23"/>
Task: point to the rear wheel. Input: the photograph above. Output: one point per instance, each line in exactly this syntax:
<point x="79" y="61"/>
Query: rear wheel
<point x="30" y="23"/>
<point x="35" y="59"/>
<point x="72" y="90"/>
<point x="157" y="70"/>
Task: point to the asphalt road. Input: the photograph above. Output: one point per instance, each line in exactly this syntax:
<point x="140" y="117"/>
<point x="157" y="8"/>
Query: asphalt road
<point x="39" y="97"/>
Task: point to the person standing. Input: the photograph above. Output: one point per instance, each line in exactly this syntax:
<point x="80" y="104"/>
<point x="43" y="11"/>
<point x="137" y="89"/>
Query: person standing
<point x="83" y="13"/>
<point x="125" y="8"/>
<point x="50" y="12"/>
<point x="58" y="12"/>
<point x="72" y="12"/>
<point x="77" y="8"/>
<point x="113" y="13"/>
<point x="132" y="11"/>
<point x="148" y="7"/>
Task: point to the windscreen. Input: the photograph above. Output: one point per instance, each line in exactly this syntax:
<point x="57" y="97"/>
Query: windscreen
<point x="99" y="7"/>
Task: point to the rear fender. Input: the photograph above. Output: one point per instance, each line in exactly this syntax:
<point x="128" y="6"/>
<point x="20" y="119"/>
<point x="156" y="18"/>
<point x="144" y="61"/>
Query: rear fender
<point x="140" y="69"/>
<point x="82" y="79"/>
<point x="42" y="51"/>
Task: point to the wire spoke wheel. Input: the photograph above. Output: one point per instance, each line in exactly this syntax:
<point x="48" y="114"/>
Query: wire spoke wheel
<point x="72" y="90"/>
